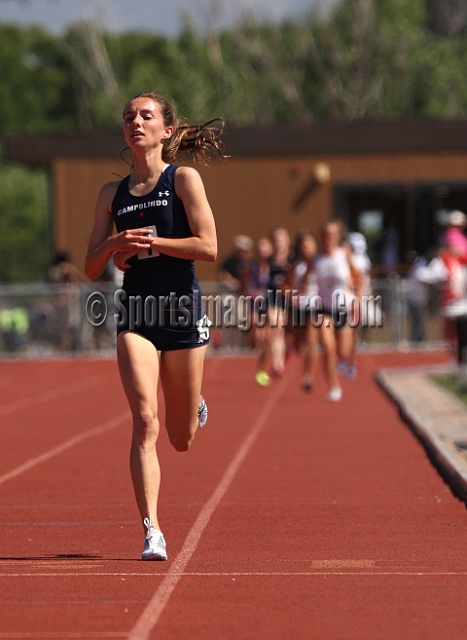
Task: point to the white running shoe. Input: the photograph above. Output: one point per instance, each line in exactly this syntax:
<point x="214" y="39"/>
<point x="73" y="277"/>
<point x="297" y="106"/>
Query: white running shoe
<point x="334" y="394"/>
<point x="154" y="543"/>
<point x="202" y="412"/>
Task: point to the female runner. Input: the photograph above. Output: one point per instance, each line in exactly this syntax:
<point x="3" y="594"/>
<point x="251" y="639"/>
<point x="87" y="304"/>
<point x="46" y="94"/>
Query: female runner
<point x="301" y="278"/>
<point x="256" y="283"/>
<point x="164" y="223"/>
<point x="279" y="264"/>
<point x="340" y="288"/>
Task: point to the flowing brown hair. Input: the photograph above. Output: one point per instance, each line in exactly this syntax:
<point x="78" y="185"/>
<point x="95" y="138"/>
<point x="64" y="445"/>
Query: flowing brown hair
<point x="200" y="140"/>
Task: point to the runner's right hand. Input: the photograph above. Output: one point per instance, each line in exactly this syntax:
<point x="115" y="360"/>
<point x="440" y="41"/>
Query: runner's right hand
<point x="131" y="240"/>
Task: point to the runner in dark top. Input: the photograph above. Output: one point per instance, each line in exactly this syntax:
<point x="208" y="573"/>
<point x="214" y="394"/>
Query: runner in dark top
<point x="172" y="321"/>
<point x="164" y="223"/>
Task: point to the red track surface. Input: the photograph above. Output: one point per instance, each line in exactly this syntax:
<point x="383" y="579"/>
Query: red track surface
<point x="298" y="518"/>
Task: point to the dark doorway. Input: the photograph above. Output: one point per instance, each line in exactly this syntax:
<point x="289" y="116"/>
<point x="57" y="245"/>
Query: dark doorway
<point x="379" y="211"/>
<point x="431" y="202"/>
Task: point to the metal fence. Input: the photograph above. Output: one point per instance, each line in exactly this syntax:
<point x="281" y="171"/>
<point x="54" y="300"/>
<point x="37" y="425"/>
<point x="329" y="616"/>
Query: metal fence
<point x="38" y="320"/>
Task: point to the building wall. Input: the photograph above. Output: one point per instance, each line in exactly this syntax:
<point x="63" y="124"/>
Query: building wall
<point x="248" y="195"/>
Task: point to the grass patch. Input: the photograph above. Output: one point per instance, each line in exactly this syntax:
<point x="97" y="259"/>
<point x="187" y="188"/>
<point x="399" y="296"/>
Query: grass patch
<point x="451" y="384"/>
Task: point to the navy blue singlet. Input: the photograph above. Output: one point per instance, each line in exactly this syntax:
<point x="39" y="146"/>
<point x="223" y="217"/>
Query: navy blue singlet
<point x="160" y="298"/>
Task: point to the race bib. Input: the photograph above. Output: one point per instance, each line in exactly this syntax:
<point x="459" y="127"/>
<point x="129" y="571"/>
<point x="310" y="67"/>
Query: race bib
<point x="144" y="254"/>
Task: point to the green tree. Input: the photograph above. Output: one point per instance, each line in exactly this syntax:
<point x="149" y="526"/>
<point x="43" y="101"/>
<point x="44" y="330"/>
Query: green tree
<point x="35" y="87"/>
<point x="92" y="58"/>
<point x="447" y="17"/>
<point x="360" y="59"/>
<point x="24" y="224"/>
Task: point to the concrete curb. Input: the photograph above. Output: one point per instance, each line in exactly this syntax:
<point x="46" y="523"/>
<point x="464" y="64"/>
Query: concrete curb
<point x="436" y="417"/>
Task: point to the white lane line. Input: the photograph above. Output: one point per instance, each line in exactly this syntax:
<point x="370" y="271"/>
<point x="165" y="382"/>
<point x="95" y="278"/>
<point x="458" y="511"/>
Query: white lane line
<point x="252" y="574"/>
<point x="63" y="634"/>
<point x="68" y="444"/>
<point x="45" y="396"/>
<point x="151" y="614"/>
<point x="78" y="523"/>
<point x="49" y="507"/>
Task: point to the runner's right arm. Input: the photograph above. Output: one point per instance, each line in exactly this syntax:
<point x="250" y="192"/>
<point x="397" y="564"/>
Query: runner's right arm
<point x="102" y="244"/>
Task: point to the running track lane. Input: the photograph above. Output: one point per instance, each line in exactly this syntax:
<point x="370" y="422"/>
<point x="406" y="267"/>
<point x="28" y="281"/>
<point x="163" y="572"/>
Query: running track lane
<point x="332" y="526"/>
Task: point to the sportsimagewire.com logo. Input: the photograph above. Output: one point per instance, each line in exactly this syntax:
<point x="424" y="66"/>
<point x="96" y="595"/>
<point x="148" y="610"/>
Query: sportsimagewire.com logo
<point x="232" y="311"/>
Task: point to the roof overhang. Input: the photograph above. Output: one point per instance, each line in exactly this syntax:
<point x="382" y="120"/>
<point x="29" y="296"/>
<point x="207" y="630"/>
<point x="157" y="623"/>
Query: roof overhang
<point x="360" y="137"/>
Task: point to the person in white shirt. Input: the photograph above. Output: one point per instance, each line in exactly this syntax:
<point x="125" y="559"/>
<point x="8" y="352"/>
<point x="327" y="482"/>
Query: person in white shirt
<point x="339" y="285"/>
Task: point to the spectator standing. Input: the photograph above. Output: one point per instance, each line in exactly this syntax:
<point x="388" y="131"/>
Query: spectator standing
<point x="232" y="275"/>
<point x="66" y="277"/>
<point x="417" y="295"/>
<point x="448" y="269"/>
<point x="454" y="237"/>
<point x="233" y="268"/>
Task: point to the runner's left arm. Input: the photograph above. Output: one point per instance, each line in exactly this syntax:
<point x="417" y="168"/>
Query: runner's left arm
<point x="202" y="245"/>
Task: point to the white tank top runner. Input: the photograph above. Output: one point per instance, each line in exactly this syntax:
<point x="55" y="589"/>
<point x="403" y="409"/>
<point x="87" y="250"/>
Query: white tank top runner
<point x="333" y="274"/>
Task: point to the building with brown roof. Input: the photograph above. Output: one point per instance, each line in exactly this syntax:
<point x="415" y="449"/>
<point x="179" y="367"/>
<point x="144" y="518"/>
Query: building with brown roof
<point x="295" y="176"/>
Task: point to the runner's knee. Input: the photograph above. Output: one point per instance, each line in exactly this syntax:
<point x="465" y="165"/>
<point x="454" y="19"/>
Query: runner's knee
<point x="181" y="444"/>
<point x="181" y="440"/>
<point x="145" y="426"/>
